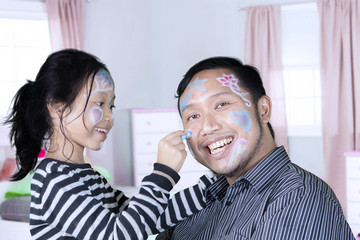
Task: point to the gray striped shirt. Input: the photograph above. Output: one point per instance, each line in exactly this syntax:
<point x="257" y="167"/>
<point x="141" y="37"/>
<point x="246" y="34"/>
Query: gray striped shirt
<point x="73" y="201"/>
<point x="274" y="200"/>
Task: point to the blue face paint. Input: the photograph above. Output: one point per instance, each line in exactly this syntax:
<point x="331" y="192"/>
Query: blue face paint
<point x="242" y="119"/>
<point x="196" y="84"/>
<point x="187" y="135"/>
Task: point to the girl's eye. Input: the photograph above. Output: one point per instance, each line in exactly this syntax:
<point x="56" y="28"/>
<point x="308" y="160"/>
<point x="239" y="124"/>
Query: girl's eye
<point x="112" y="107"/>
<point x="99" y="103"/>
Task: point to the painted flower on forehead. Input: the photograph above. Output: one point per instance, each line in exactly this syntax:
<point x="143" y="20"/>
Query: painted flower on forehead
<point x="103" y="81"/>
<point x="233" y="83"/>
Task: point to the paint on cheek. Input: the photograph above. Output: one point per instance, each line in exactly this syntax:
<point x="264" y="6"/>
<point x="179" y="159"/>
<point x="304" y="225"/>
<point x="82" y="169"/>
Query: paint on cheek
<point x="189" y="134"/>
<point x="238" y="149"/>
<point x="190" y="149"/>
<point x="242" y="119"/>
<point x="96" y="115"/>
<point x="197" y="84"/>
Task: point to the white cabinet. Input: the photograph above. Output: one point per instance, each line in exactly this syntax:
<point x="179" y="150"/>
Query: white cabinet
<point x="148" y="127"/>
<point x="353" y="190"/>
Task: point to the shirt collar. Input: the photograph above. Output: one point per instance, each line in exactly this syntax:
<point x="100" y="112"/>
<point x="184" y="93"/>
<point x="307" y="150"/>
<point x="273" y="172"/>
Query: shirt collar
<point x="260" y="176"/>
<point x="263" y="173"/>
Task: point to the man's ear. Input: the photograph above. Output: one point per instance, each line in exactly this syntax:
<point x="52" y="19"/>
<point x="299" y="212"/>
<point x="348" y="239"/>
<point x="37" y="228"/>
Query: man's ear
<point x="264" y="109"/>
<point x="55" y="109"/>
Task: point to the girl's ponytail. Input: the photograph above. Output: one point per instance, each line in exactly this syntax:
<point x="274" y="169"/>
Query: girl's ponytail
<point x="28" y="127"/>
<point x="59" y="80"/>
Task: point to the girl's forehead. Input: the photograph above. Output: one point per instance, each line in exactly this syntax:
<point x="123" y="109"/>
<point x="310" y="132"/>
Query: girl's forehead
<point x="104" y="77"/>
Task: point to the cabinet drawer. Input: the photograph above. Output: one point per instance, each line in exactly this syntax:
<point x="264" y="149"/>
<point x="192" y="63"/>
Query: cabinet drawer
<point x="353" y="189"/>
<point x="156" y="122"/>
<point x="353" y="209"/>
<point x="353" y="167"/>
<point x="147" y="143"/>
<point x="143" y="163"/>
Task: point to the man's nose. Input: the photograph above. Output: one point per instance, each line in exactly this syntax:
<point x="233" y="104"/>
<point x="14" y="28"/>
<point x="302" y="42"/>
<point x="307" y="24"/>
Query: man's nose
<point x="210" y="124"/>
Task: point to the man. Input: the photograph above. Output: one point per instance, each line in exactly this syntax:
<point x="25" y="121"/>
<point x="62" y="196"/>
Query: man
<point x="259" y="193"/>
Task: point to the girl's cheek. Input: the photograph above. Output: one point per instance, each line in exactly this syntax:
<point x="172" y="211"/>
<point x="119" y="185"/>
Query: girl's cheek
<point x="96" y="115"/>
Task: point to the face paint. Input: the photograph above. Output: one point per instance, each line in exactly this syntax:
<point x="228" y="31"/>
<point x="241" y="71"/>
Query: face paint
<point x="242" y="119"/>
<point x="96" y="114"/>
<point x="187" y="135"/>
<point x="103" y="82"/>
<point x="233" y="83"/>
<point x="238" y="149"/>
<point x="196" y="84"/>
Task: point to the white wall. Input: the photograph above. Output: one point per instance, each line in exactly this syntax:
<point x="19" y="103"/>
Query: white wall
<point x="148" y="46"/>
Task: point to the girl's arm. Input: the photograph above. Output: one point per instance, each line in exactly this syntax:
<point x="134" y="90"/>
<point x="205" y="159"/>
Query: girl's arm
<point x="184" y="203"/>
<point x="63" y="206"/>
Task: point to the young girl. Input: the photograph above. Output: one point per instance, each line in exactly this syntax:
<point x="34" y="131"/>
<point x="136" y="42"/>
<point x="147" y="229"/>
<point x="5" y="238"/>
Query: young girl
<point x="69" y="107"/>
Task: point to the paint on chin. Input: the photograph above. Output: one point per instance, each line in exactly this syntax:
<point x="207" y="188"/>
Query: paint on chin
<point x="242" y="119"/>
<point x="96" y="115"/>
<point x="239" y="147"/>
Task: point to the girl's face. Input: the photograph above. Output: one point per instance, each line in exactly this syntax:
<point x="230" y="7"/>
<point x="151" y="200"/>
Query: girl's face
<point x="90" y="128"/>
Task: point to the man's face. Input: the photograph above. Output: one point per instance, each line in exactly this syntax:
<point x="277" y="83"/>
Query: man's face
<point x="226" y="130"/>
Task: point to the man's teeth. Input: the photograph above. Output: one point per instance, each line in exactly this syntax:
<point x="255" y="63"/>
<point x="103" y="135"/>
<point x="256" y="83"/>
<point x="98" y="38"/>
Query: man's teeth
<point x="101" y="130"/>
<point x="219" y="145"/>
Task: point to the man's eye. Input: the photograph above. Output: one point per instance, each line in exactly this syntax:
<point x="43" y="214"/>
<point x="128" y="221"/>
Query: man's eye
<point x="193" y="117"/>
<point x="222" y="104"/>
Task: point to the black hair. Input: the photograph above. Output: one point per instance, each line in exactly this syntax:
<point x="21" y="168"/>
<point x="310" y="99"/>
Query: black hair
<point x="59" y="80"/>
<point x="249" y="78"/>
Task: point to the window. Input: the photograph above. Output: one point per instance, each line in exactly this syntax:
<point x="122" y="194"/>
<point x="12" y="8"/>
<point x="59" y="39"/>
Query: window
<point x="301" y="66"/>
<point x="24" y="45"/>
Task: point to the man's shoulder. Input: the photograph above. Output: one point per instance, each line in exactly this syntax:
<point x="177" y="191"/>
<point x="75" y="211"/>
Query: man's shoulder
<point x="304" y="185"/>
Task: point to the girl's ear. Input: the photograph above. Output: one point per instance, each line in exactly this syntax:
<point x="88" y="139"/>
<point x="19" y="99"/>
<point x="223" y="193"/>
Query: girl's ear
<point x="264" y="109"/>
<point x="55" y="109"/>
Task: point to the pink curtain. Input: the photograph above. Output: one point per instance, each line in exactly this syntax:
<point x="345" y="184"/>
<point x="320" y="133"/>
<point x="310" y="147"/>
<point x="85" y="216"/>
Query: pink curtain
<point x="66" y="19"/>
<point x="263" y="50"/>
<point x="340" y="75"/>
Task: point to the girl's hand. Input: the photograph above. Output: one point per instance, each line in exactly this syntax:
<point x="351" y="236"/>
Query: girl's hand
<point x="171" y="150"/>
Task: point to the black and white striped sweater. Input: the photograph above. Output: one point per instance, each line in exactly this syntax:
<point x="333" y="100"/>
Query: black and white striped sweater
<point x="73" y="201"/>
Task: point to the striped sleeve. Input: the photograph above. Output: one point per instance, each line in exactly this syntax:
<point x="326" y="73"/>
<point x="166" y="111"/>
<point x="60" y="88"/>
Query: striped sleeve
<point x="184" y="203"/>
<point x="64" y="207"/>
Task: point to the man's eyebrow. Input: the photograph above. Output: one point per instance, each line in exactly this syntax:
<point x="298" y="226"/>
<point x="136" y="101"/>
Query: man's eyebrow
<point x="185" y="107"/>
<point x="221" y="94"/>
